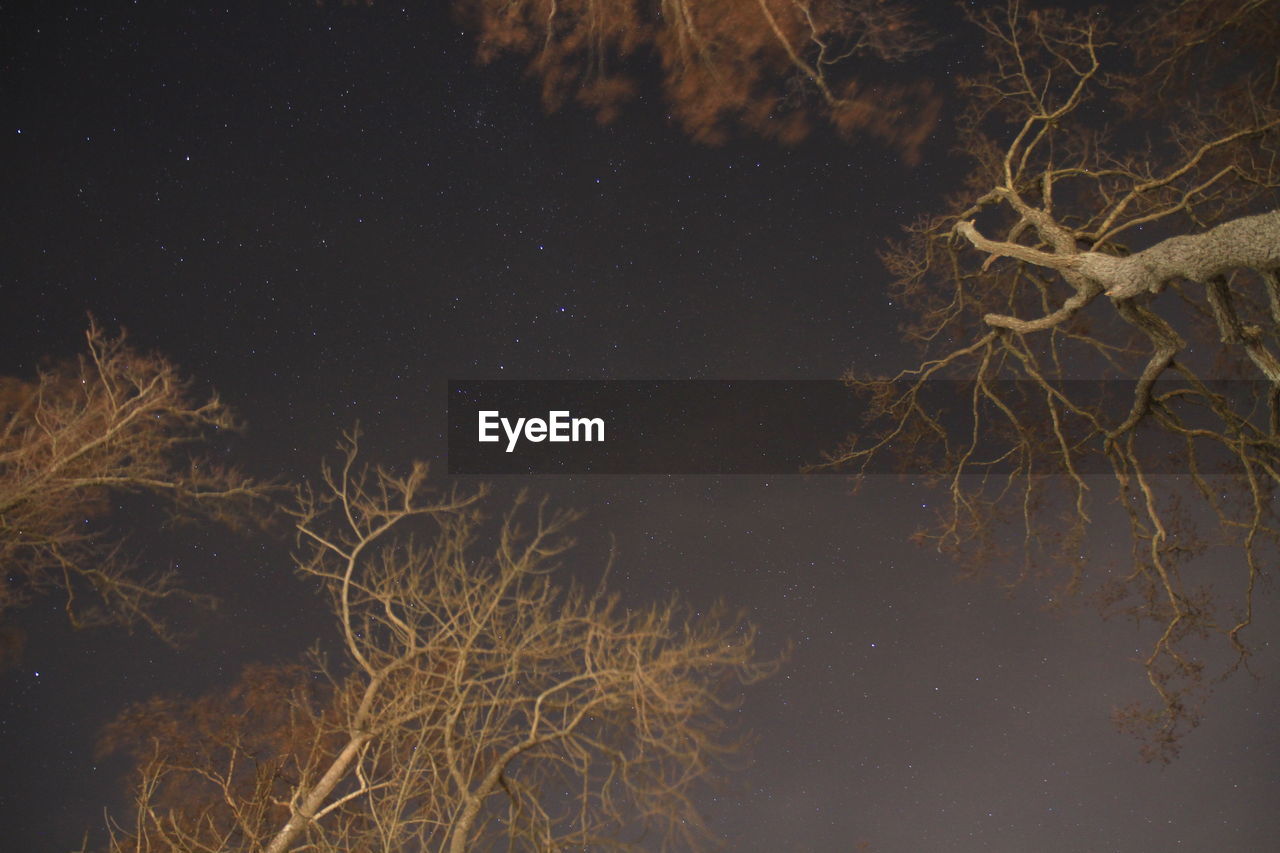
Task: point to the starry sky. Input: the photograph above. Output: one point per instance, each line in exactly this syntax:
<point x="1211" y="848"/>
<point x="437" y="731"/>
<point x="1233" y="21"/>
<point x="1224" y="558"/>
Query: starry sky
<point x="328" y="213"/>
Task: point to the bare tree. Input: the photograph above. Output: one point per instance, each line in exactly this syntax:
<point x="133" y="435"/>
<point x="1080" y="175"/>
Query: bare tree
<point x="477" y="705"/>
<point x="1120" y="222"/>
<point x="74" y="440"/>
<point x="767" y="65"/>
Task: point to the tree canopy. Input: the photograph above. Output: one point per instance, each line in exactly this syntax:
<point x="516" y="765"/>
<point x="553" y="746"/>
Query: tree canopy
<point x="76" y="438"/>
<point x="1112" y="255"/>
<point x="1113" y="259"/>
<point x="769" y="66"/>
<point x="476" y="702"/>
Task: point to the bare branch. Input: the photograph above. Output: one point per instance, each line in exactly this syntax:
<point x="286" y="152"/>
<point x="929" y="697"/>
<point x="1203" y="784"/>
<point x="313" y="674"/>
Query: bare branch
<point x="113" y="422"/>
<point x="480" y="703"/>
<point x="1069" y="157"/>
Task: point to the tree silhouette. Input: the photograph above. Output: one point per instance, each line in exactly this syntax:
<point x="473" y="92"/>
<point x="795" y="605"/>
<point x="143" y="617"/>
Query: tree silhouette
<point x="1118" y="226"/>
<point x="112" y="422"/>
<point x="767" y="65"/>
<point x="1118" y="221"/>
<point x="476" y="703"/>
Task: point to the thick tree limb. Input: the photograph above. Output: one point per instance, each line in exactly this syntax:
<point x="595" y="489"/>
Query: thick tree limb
<point x="1250" y="242"/>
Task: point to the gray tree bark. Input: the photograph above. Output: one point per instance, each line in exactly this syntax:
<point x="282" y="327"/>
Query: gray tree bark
<point x="1250" y="242"/>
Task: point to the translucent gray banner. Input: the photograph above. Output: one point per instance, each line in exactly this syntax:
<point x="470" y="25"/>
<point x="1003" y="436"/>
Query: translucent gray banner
<point x="766" y="427"/>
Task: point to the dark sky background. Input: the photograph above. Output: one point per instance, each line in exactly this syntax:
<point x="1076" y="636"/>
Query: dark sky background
<point x="327" y="213"/>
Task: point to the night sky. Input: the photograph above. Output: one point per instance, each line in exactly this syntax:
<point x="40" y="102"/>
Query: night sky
<point x="328" y="213"/>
